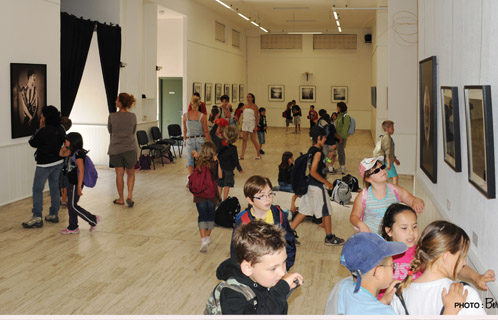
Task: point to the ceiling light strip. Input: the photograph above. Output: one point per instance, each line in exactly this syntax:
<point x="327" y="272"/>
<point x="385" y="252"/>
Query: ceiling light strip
<point x="243" y="16"/>
<point x="224" y="4"/>
<point x="263" y="29"/>
<point x="254" y="23"/>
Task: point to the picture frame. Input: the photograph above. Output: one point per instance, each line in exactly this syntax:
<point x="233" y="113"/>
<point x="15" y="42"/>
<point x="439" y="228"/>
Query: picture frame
<point x="339" y="94"/>
<point x="226" y="91"/>
<point x="208" y="93"/>
<point x="235" y="89"/>
<point x="451" y="127"/>
<point x="480" y="140"/>
<point x="197" y="87"/>
<point x="276" y="93"/>
<point x="241" y="93"/>
<point x="218" y="92"/>
<point x="373" y="96"/>
<point x="307" y="93"/>
<point x="428" y="117"/>
<point x="28" y="93"/>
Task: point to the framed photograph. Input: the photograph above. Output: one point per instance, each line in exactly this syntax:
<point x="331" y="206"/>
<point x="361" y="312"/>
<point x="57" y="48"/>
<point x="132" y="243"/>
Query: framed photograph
<point x="208" y="93"/>
<point x="197" y="87"/>
<point x="218" y="92"/>
<point x="227" y="91"/>
<point x="480" y="141"/>
<point x="451" y="128"/>
<point x="307" y="93"/>
<point x="339" y="94"/>
<point x="428" y="117"/>
<point x="28" y="89"/>
<point x="275" y="93"/>
<point x="235" y="89"/>
<point x="373" y="96"/>
<point x="241" y="93"/>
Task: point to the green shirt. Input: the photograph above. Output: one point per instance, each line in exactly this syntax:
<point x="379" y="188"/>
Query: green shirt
<point x="342" y="124"/>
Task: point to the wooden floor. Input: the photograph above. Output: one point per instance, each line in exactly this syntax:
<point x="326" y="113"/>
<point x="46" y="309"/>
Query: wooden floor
<point x="146" y="259"/>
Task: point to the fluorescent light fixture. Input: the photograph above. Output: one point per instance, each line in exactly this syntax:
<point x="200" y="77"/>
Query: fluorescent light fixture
<point x="340" y="30"/>
<point x="263" y="29"/>
<point x="243" y="16"/>
<point x="224" y="4"/>
<point x="254" y="23"/>
<point x="338" y="24"/>
<point x="335" y="16"/>
<point x="305" y="32"/>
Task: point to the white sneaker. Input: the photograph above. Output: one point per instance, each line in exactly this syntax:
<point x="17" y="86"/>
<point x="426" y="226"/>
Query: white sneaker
<point x="331" y="169"/>
<point x="208" y="240"/>
<point x="204" y="246"/>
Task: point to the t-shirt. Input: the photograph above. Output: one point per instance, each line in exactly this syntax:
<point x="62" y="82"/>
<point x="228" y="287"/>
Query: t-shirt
<point x="296" y="111"/>
<point x="122" y="127"/>
<point x="375" y="209"/>
<point x="72" y="169"/>
<point x="359" y="303"/>
<point x="425" y="299"/>
<point x="268" y="217"/>
<point x="321" y="169"/>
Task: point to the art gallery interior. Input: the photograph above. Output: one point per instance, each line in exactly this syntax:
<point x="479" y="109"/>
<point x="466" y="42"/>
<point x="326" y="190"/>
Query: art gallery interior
<point x="167" y="46"/>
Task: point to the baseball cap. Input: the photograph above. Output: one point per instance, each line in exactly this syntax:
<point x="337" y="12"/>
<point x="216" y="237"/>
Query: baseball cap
<point x="221" y="122"/>
<point x="364" y="251"/>
<point x="317" y="131"/>
<point x="369" y="163"/>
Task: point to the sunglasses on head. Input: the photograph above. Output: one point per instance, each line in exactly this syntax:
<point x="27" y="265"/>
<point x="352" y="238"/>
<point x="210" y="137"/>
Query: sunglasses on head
<point x="382" y="167"/>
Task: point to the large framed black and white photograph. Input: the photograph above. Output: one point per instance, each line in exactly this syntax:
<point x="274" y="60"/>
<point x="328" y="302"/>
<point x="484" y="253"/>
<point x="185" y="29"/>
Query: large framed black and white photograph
<point x="307" y="93"/>
<point x="197" y="87"/>
<point x="241" y="93"/>
<point x="28" y="87"/>
<point x="208" y="93"/>
<point x="235" y="90"/>
<point x="428" y="117"/>
<point x="451" y="127"/>
<point x="218" y="92"/>
<point x="480" y="141"/>
<point x="339" y="94"/>
<point x="227" y="91"/>
<point x="275" y="93"/>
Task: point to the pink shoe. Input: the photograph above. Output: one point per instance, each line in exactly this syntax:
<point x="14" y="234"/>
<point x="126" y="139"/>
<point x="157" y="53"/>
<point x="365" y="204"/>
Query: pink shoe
<point x="67" y="231"/>
<point x="92" y="228"/>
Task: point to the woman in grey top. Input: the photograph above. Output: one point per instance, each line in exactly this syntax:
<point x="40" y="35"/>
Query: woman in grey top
<point x="122" y="126"/>
<point x="195" y="131"/>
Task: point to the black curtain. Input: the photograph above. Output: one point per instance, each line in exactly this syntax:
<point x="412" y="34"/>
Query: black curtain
<point x="76" y="35"/>
<point x="109" y="38"/>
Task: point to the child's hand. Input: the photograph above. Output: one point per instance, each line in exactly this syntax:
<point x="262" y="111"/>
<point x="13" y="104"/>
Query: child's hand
<point x="79" y="191"/>
<point x="455" y="295"/>
<point x="418" y="205"/>
<point x="194" y="154"/>
<point x="388" y="166"/>
<point x="241" y="171"/>
<point x="290" y="278"/>
<point x="389" y="294"/>
<point x="215" y="158"/>
<point x="480" y="281"/>
<point x="328" y="185"/>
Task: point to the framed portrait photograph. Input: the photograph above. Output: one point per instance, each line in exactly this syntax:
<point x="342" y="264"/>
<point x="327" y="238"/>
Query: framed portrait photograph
<point x="241" y="93"/>
<point x="275" y="93"/>
<point x="480" y="141"/>
<point x="218" y="92"/>
<point x="208" y="93"/>
<point x="451" y="128"/>
<point x="428" y="117"/>
<point x="307" y="93"/>
<point x="339" y="94"/>
<point x="235" y="91"/>
<point x="227" y="91"/>
<point x="28" y="89"/>
<point x="197" y="87"/>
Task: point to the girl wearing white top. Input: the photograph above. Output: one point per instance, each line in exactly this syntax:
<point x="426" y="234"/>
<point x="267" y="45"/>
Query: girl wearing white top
<point x="249" y="121"/>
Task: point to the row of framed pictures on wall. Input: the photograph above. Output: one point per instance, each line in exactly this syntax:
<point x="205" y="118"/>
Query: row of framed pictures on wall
<point x="307" y="93"/>
<point x="479" y="129"/>
<point x="234" y="91"/>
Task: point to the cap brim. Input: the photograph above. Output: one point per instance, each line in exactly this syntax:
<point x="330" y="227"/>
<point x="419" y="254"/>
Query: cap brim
<point x="394" y="248"/>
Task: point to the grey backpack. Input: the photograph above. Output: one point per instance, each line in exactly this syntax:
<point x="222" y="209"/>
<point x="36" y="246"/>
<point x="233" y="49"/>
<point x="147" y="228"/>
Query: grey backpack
<point x="213" y="305"/>
<point x="341" y="193"/>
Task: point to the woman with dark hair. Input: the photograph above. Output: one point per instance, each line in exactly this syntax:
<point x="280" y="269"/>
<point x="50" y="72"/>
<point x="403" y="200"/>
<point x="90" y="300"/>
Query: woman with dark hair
<point x="122" y="126"/>
<point x="342" y="127"/>
<point x="47" y="140"/>
<point x="250" y="117"/>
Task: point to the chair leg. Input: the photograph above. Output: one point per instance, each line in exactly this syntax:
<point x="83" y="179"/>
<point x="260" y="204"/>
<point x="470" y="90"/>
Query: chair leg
<point x="173" y="148"/>
<point x="152" y="159"/>
<point x="180" y="147"/>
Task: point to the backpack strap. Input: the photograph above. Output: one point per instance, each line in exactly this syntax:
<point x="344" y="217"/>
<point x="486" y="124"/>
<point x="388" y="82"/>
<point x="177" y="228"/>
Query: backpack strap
<point x="244" y="217"/>
<point x="363" y="202"/>
<point x="395" y="191"/>
<point x="402" y="300"/>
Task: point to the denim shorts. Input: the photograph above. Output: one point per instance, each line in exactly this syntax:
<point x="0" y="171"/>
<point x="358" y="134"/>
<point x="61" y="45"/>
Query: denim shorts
<point x="193" y="144"/>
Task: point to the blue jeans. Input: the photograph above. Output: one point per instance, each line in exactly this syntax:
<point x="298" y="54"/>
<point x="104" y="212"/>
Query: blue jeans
<point x="285" y="186"/>
<point x="41" y="175"/>
<point x="206" y="214"/>
<point x="193" y="144"/>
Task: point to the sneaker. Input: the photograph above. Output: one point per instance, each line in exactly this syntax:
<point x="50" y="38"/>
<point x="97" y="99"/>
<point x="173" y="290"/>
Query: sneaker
<point x="204" y="246"/>
<point x="261" y="151"/>
<point x="334" y="241"/>
<point x="52" y="218"/>
<point x="35" y="222"/>
<point x="67" y="231"/>
<point x="332" y="170"/>
<point x="297" y="242"/>
<point x="92" y="228"/>
<point x="208" y="240"/>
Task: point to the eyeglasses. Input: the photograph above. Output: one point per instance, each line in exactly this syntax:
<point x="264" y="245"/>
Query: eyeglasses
<point x="394" y="266"/>
<point x="382" y="167"/>
<point x="266" y="196"/>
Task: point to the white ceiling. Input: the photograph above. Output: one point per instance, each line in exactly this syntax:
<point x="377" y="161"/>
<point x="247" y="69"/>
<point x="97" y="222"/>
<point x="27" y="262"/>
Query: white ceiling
<point x="297" y="15"/>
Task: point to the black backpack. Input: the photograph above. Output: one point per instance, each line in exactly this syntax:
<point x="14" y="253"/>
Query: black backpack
<point x="226" y="212"/>
<point x="352" y="182"/>
<point x="299" y="178"/>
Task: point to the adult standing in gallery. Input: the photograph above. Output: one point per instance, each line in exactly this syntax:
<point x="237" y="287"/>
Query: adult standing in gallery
<point x="342" y="127"/>
<point x="202" y="105"/>
<point x="195" y="131"/>
<point x="48" y="141"/>
<point x="250" y="118"/>
<point x="122" y="126"/>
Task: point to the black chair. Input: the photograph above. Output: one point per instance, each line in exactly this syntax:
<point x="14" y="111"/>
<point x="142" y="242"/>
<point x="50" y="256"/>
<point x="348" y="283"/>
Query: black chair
<point x="143" y="144"/>
<point x="175" y="133"/>
<point x="158" y="138"/>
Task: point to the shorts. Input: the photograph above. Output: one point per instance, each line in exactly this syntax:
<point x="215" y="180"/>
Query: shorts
<point x="315" y="202"/>
<point x="248" y="126"/>
<point x="288" y="121"/>
<point x="227" y="179"/>
<point x="261" y="137"/>
<point x="326" y="150"/>
<point x="193" y="144"/>
<point x="126" y="159"/>
<point x="297" y="120"/>
<point x="63" y="181"/>
<point x="392" y="172"/>
<point x="284" y="186"/>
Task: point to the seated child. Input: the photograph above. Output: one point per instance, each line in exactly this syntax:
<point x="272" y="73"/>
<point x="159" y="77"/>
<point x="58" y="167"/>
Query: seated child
<point x="256" y="280"/>
<point x="259" y="195"/>
<point x="284" y="177"/>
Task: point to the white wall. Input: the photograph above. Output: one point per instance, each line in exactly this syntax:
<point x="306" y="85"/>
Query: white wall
<point x="31" y="34"/>
<point x="170" y="47"/>
<point x="351" y="68"/>
<point x="461" y="34"/>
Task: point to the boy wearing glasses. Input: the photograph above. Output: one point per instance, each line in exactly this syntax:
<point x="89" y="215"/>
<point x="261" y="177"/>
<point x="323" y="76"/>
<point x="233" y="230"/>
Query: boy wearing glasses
<point x="385" y="148"/>
<point x="259" y="196"/>
<point x="369" y="259"/>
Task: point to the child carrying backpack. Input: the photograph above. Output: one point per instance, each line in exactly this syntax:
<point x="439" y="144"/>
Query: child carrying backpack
<point x="80" y="172"/>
